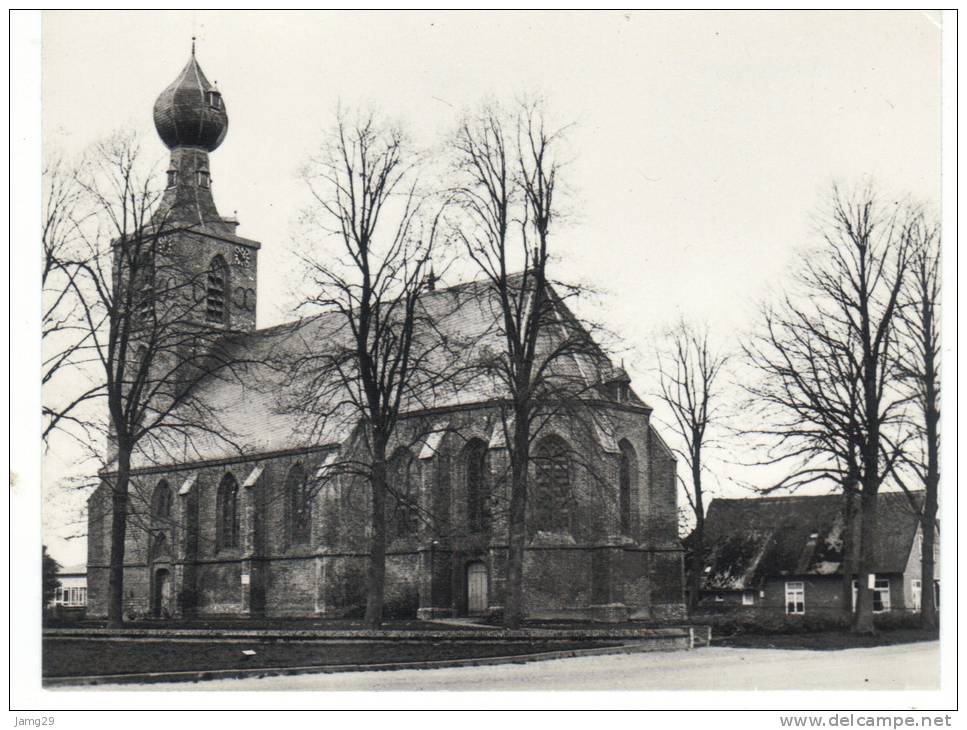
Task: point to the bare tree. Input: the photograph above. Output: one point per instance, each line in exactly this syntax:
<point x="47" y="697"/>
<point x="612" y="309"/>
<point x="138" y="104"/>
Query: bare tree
<point x="62" y="334"/>
<point x="689" y="376"/>
<point x="507" y="171"/>
<point x="827" y="357"/>
<point x="920" y="361"/>
<point x="367" y="196"/>
<point x="144" y="346"/>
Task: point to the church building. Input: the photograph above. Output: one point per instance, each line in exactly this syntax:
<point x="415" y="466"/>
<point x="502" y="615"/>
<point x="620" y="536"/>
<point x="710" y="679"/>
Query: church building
<point x="262" y="525"/>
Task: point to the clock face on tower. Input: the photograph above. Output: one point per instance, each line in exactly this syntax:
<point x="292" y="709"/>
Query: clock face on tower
<point x="242" y="256"/>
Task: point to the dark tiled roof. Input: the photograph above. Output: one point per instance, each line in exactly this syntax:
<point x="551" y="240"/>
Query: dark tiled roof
<point x="747" y="540"/>
<point x="257" y="405"/>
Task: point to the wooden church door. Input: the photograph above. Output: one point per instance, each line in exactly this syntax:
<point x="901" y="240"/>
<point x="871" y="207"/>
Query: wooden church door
<point x="477" y="598"/>
<point x="162" y="594"/>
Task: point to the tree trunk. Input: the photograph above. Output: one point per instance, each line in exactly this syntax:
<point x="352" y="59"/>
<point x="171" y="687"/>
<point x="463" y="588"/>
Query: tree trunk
<point x="698" y="564"/>
<point x="863" y="619"/>
<point x="928" y="598"/>
<point x="848" y="562"/>
<point x="376" y="574"/>
<point x="698" y="554"/>
<point x="119" y="518"/>
<point x="517" y="527"/>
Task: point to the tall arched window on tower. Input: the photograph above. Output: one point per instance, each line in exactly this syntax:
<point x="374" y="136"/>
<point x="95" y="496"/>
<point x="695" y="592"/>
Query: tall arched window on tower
<point x="217" y="285"/>
<point x="298" y="500"/>
<point x="478" y="491"/>
<point x="227" y="523"/>
<point x="553" y="503"/>
<point x="627" y="483"/>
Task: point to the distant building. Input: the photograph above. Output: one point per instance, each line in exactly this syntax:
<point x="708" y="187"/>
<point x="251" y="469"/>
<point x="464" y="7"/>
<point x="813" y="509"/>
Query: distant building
<point x="72" y="592"/>
<point x="785" y="555"/>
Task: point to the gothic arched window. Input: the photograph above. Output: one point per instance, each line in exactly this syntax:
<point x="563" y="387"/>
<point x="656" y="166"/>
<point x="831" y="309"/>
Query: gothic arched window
<point x="298" y="500"/>
<point x="478" y="492"/>
<point x="627" y="481"/>
<point x="161" y="503"/>
<point x="402" y="493"/>
<point x="552" y="482"/>
<point x="216" y="286"/>
<point x="227" y="524"/>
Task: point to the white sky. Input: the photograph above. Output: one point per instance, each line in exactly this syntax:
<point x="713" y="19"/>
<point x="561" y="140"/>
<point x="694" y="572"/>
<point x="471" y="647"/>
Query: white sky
<point x="704" y="141"/>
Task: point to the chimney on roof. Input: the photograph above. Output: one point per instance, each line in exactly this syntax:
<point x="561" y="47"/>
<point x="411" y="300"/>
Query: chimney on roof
<point x="431" y="280"/>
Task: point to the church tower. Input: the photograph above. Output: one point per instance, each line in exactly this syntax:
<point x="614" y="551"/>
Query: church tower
<point x="219" y="266"/>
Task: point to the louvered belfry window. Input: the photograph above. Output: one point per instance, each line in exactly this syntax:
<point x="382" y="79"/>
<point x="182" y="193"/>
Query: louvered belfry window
<point x="217" y="284"/>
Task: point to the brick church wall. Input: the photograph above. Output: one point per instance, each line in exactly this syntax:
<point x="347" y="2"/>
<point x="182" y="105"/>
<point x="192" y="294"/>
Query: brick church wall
<point x="425" y="572"/>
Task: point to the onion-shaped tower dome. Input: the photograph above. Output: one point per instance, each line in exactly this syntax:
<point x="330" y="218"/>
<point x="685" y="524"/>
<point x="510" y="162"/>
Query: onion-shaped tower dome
<point x="191" y="112"/>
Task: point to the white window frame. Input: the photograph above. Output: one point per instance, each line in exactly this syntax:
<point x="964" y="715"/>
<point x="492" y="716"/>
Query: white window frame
<point x="916" y="591"/>
<point x="881" y="588"/>
<point x="748" y="598"/>
<point x="795" y="589"/>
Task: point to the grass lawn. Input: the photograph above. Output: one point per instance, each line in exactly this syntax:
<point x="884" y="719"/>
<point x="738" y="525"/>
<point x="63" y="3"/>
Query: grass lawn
<point x="80" y="657"/>
<point x="256" y="624"/>
<point x="822" y="639"/>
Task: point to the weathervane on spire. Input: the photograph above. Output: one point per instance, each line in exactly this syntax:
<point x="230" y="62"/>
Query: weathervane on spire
<point x="193" y="46"/>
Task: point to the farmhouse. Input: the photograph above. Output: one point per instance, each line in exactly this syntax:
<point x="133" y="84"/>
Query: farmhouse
<point x="266" y="525"/>
<point x="785" y="555"/>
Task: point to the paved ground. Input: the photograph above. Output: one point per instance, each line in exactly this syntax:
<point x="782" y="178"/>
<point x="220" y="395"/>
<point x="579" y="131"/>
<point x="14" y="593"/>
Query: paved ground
<point x="902" y="666"/>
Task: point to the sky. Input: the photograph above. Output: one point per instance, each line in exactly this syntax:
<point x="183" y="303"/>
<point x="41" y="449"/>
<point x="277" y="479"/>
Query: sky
<point x="701" y="143"/>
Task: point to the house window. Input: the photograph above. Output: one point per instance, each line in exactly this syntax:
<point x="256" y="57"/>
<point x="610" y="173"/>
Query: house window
<point x="478" y="518"/>
<point x="214" y="100"/>
<point x="748" y="598"/>
<point x="215" y="291"/>
<point x="172" y="178"/>
<point x="881" y="595"/>
<point x="203" y="178"/>
<point x="228" y="517"/>
<point x="299" y="502"/>
<point x="916" y="590"/>
<point x="626" y="478"/>
<point x="719" y="598"/>
<point x="795" y="597"/>
<point x="75" y="596"/>
<point x="402" y="502"/>
<point x="552" y="507"/>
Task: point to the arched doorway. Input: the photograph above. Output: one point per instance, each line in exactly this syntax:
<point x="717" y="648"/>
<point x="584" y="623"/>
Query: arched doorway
<point x="162" y="593"/>
<point x="477" y="598"/>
